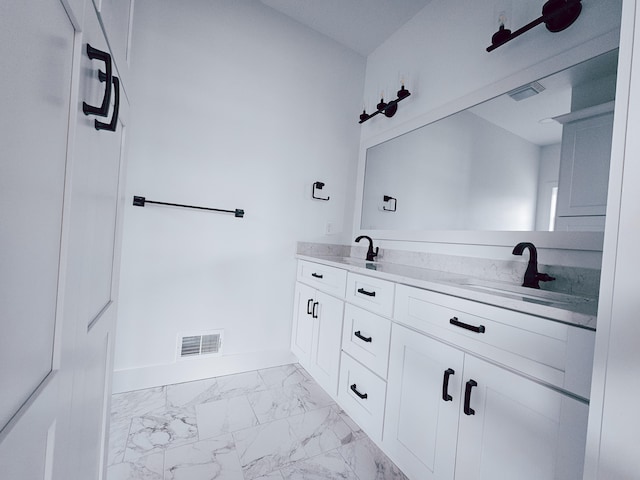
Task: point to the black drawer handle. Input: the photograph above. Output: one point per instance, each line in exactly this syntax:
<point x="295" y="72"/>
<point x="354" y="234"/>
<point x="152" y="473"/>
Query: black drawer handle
<point x="309" y="311"/>
<point x="364" y="292"/>
<point x="467" y="397"/>
<point x="314" y="313"/>
<point x="445" y="384"/>
<point x="466" y="326"/>
<point x="316" y="275"/>
<point x="112" y="125"/>
<point x="102" y="110"/>
<point x="364" y="339"/>
<point x="355" y="390"/>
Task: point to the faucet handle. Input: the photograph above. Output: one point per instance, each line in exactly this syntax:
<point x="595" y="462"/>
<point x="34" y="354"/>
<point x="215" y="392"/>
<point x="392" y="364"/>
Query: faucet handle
<point x="543" y="277"/>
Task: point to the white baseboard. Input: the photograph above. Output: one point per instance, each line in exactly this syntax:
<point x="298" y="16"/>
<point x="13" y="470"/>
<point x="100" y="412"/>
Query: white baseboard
<point x="196" y="369"/>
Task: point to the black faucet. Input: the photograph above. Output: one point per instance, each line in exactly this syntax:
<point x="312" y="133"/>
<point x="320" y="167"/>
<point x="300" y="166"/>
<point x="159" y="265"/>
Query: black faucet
<point x="531" y="276"/>
<point x="371" y="254"/>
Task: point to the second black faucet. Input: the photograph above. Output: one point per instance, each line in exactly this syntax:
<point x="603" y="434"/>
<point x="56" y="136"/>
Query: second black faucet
<point x="371" y="253"/>
<point x="531" y="277"/>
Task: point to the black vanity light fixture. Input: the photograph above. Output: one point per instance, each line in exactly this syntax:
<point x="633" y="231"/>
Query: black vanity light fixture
<point x="557" y="15"/>
<point x="318" y="186"/>
<point x="389" y="109"/>
<point x="386" y="199"/>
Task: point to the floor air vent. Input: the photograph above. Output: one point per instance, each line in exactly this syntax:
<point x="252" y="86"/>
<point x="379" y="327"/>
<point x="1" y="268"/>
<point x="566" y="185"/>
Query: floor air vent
<point x="209" y="343"/>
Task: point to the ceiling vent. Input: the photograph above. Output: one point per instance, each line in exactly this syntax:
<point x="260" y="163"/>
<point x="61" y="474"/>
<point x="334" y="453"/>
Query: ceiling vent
<point x="526" y="91"/>
<point x="195" y="345"/>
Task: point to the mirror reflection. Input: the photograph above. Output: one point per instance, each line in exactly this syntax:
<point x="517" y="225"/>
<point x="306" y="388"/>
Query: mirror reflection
<point x="535" y="158"/>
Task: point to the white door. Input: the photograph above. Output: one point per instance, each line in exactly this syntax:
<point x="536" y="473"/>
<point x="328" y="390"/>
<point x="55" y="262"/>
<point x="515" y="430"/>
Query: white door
<point x="423" y="405"/>
<point x="513" y="428"/>
<point x="327" y="337"/>
<point x="94" y="256"/>
<point x="37" y="64"/>
<point x="302" y="334"/>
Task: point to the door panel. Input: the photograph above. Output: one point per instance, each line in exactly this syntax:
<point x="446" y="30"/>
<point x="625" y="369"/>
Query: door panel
<point x="325" y="351"/>
<point x="302" y="334"/>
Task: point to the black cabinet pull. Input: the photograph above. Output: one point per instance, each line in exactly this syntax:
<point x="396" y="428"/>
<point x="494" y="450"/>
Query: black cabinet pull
<point x="445" y="384"/>
<point x="316" y="275"/>
<point x="355" y="390"/>
<point x="467" y="397"/>
<point x="364" y="292"/>
<point x="364" y="339"/>
<point x="309" y="311"/>
<point x="314" y="314"/>
<point x="102" y="110"/>
<point x="466" y="326"/>
<point x="112" y="125"/>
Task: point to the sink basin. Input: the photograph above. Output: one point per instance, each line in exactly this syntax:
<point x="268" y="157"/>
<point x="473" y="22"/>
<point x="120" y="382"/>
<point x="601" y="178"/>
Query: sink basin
<point x="527" y="294"/>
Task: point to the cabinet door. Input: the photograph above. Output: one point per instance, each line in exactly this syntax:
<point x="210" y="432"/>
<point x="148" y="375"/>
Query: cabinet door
<point x="518" y="429"/>
<point x="117" y="19"/>
<point x="327" y="337"/>
<point x="421" y="427"/>
<point x="302" y="334"/>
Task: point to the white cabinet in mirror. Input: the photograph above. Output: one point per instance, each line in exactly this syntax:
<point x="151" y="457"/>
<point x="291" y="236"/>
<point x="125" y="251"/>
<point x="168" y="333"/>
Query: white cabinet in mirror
<point x="494" y="166"/>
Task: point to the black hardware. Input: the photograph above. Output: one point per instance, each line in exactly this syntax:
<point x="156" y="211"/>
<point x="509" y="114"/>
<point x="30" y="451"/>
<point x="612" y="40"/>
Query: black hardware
<point x="389" y="109"/>
<point x="364" y="292"/>
<point x="112" y="125"/>
<point x="354" y="390"/>
<point x="364" y="339"/>
<point x="314" y="314"/>
<point x="318" y="185"/>
<point x="531" y="276"/>
<point x="467" y="397"/>
<point x="316" y="275"/>
<point x="445" y="384"/>
<point x="103" y="109"/>
<point x="141" y="201"/>
<point x="371" y="253"/>
<point x="387" y="198"/>
<point x="466" y="326"/>
<point x="309" y="306"/>
<point x="557" y="15"/>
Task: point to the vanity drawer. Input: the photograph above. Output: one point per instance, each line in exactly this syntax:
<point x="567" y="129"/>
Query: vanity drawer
<point x="328" y="279"/>
<point x="370" y="293"/>
<point x="356" y="382"/>
<point x="535" y="346"/>
<point x="365" y="337"/>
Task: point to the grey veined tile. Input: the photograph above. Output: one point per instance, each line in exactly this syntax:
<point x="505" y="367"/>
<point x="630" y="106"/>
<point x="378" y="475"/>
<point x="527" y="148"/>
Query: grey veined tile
<point x="368" y="461"/>
<point x="328" y="466"/>
<point x="160" y="430"/>
<point x="118" y="434"/>
<point x="138" y="402"/>
<point x="320" y="430"/>
<point x="224" y="416"/>
<point x="240" y="384"/>
<point x="266" y="448"/>
<point x="148" y="467"/>
<point x="282" y="376"/>
<point x="192" y="393"/>
<point x="212" y="459"/>
<point x="276" y="403"/>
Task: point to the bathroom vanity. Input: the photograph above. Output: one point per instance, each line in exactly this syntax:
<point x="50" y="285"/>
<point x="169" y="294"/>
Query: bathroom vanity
<point x="453" y="377"/>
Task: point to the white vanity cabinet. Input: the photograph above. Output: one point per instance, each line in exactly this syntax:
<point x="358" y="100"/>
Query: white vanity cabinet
<point x="451" y="414"/>
<point x="317" y="324"/>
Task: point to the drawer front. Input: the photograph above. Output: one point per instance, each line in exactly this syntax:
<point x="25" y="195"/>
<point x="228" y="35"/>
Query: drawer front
<point x="328" y="279"/>
<point x="526" y="343"/>
<point x="370" y="293"/>
<point x="356" y="382"/>
<point x="366" y="338"/>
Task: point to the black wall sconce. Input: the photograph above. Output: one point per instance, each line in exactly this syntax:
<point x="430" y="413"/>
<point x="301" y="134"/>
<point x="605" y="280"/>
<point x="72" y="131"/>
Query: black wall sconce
<point x="387" y="198"/>
<point x="557" y="15"/>
<point x="389" y="109"/>
<point x="317" y="185"/>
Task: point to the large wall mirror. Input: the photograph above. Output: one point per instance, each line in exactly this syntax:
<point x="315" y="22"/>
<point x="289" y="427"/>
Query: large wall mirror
<point x="534" y="159"/>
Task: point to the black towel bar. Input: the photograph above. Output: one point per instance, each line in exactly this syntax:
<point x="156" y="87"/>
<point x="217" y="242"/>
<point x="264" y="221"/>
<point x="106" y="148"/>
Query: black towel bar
<point x="140" y="202"/>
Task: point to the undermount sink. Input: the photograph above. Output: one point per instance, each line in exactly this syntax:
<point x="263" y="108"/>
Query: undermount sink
<point x="526" y="294"/>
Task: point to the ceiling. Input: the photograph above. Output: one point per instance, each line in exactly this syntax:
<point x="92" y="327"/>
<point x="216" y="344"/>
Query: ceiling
<point x="361" y="25"/>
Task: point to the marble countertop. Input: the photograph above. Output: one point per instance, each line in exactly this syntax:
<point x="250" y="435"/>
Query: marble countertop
<point x="580" y="311"/>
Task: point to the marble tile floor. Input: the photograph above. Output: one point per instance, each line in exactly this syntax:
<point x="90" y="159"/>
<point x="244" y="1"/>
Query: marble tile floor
<point x="271" y="424"/>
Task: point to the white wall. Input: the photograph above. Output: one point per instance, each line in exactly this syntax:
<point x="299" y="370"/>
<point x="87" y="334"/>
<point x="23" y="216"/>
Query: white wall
<point x="441" y="53"/>
<point x="233" y="106"/>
